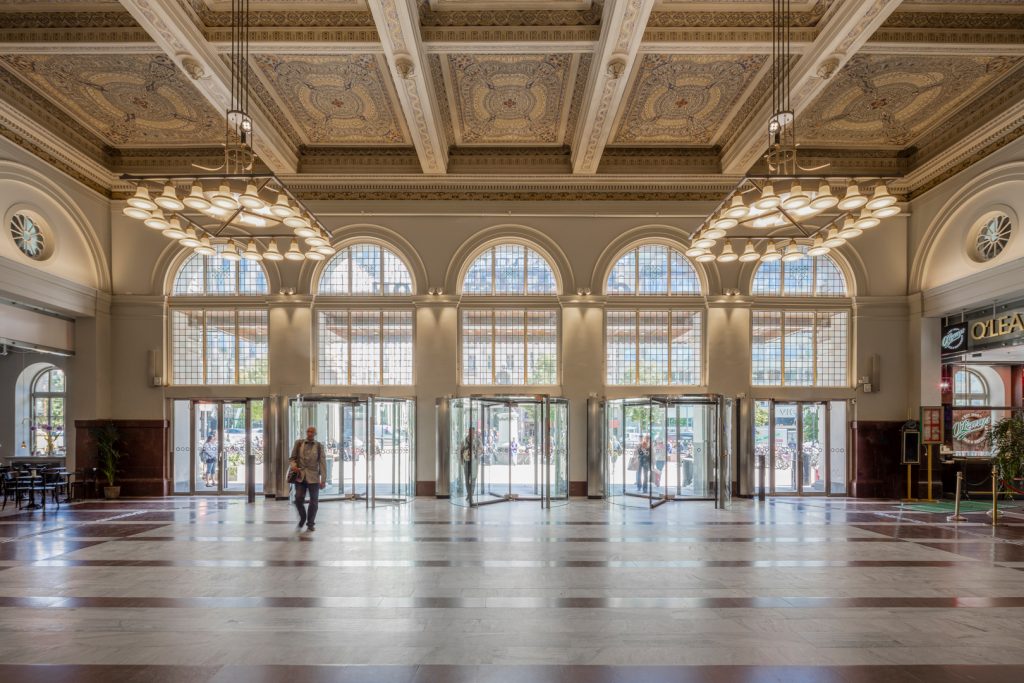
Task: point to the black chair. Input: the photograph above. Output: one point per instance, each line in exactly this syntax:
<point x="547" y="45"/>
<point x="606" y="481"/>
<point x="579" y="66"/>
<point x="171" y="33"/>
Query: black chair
<point x="15" y="487"/>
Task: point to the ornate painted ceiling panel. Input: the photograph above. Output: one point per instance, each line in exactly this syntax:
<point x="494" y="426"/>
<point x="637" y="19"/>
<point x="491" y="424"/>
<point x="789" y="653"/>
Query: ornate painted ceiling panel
<point x="126" y="100"/>
<point x="291" y="5"/>
<point x="510" y="99"/>
<point x="684" y="100"/>
<point x="890" y="100"/>
<point x="335" y="100"/>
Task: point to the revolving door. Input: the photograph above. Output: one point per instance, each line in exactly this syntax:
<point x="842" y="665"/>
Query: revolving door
<point x="669" y="448"/>
<point x="369" y="444"/>
<point x="508" y="448"/>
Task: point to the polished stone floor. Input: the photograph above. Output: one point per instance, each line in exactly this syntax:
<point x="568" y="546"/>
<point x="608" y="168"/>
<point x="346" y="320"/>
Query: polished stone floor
<point x="212" y="590"/>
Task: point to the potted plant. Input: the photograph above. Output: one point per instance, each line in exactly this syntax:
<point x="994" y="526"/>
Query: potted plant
<point x="1007" y="441"/>
<point x="108" y="457"/>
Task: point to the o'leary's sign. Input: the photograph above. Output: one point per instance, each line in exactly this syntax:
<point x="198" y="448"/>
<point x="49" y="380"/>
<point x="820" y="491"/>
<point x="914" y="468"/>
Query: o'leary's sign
<point x="1002" y="329"/>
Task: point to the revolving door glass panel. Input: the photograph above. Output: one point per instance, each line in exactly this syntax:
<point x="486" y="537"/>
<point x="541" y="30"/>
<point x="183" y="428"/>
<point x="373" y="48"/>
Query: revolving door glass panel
<point x="377" y="469"/>
<point x="508" y="449"/>
<point x="661" y="448"/>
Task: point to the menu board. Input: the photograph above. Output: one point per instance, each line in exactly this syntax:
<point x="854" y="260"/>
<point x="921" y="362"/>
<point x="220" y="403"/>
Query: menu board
<point x="931" y="424"/>
<point x="971" y="427"/>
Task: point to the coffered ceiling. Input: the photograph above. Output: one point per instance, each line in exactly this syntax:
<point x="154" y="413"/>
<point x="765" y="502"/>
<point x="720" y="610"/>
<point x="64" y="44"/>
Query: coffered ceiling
<point x="511" y="98"/>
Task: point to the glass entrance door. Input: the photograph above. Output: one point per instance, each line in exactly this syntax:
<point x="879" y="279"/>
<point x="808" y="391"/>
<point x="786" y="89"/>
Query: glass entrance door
<point x="508" y="449"/>
<point x="800" y="447"/>
<point x="218" y="446"/>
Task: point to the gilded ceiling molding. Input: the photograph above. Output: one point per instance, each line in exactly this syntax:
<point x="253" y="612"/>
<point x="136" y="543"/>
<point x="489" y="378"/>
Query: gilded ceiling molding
<point x="398" y="26"/>
<point x="173" y="27"/>
<point x="840" y="39"/>
<point x="621" y="34"/>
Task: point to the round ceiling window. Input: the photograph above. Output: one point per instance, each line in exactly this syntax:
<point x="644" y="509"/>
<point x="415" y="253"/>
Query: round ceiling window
<point x="29" y="236"/>
<point x="992" y="237"/>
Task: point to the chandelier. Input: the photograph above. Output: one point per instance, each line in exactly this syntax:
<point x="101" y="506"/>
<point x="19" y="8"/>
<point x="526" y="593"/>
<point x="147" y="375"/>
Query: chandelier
<point x="789" y="200"/>
<point x="237" y="209"/>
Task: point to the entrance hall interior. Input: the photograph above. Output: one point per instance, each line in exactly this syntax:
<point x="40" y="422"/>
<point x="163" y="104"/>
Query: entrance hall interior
<point x="616" y="340"/>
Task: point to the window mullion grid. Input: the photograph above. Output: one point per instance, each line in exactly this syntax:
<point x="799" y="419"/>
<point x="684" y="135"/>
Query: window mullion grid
<point x="782" y="346"/>
<point x="526" y="281"/>
<point x="380" y="345"/>
<point x="351" y="274"/>
<point x="814" y="346"/>
<point x="204" y="345"/>
<point x="526" y="342"/>
<point x="638" y="346"/>
<point x="494" y="343"/>
<point x="636" y="276"/>
<point x="238" y="346"/>
<point x="493" y="251"/>
<point x="668" y="377"/>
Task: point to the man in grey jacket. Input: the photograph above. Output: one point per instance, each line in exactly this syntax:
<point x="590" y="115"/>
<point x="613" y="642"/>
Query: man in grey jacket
<point x="308" y="461"/>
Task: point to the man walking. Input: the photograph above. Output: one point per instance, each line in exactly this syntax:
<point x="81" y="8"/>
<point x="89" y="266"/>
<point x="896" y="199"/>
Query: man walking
<point x="310" y="465"/>
<point x="470" y="452"/>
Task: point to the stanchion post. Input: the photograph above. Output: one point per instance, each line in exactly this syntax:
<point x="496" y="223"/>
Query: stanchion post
<point x="931" y="498"/>
<point x="995" y="496"/>
<point x="956" y="516"/>
<point x="910" y="494"/>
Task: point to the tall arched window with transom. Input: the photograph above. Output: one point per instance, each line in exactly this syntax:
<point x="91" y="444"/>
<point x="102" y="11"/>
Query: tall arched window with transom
<point x="364" y="318"/>
<point x="509" y="318"/>
<point x="218" y="322"/>
<point x="800" y="323"/>
<point x="654" y="320"/>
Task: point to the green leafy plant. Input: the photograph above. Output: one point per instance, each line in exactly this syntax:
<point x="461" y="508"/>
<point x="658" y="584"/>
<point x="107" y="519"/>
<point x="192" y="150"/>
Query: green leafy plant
<point x="1007" y="441"/>
<point x="107" y="437"/>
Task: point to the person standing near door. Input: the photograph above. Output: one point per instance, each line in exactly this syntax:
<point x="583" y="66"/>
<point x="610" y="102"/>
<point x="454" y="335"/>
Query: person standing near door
<point x="208" y="455"/>
<point x="468" y="452"/>
<point x="310" y="465"/>
<point x="643" y="458"/>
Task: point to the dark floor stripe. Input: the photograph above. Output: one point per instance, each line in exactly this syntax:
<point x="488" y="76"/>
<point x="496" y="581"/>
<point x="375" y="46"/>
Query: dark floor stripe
<point x="517" y="564"/>
<point x="510" y="602"/>
<point x="377" y="539"/>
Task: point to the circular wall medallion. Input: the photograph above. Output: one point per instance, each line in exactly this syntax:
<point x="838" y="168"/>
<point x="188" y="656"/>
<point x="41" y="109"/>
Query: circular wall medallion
<point x="28" y="236"/>
<point x="993" y="236"/>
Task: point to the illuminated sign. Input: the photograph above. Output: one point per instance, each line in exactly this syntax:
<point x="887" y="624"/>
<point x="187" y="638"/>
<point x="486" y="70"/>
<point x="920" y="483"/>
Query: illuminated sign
<point x="1004" y="329"/>
<point x="972" y="428"/>
<point x="1011" y="323"/>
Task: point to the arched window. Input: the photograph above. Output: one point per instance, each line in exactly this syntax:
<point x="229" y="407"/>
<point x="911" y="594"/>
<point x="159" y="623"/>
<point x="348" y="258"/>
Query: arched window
<point x="653" y="347"/>
<point x="365" y="346"/>
<point x="47" y="422"/>
<point x="653" y="270"/>
<point x="509" y="345"/>
<point x="223" y="343"/>
<point x="969" y="388"/>
<point x="510" y="270"/>
<point x="810" y="276"/>
<point x="215" y="276"/>
<point x="365" y="270"/>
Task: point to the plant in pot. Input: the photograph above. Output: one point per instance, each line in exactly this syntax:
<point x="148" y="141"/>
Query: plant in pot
<point x="108" y="457"/>
<point x="1007" y="441"/>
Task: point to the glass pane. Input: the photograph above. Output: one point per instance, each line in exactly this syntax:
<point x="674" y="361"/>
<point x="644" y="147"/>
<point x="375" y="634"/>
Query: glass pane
<point x="479" y="278"/>
<point x="685" y="344"/>
<point x="652" y="270"/>
<point x="477" y="349"/>
<point x="767" y="279"/>
<point x="799" y="276"/>
<point x="509" y="269"/>
<point x="784" y="456"/>
<point x="332" y="347"/>
<point x="43" y="382"/>
<point x="837" y="448"/>
<point x="831" y="335"/>
<point x="829" y="280"/>
<point x="653" y="347"/>
<point x="251" y="279"/>
<point x="464" y="446"/>
<point x="658" y="452"/>
<point x="728" y="450"/>
<point x="206" y="437"/>
<point x="256" y="441"/>
<point x="494" y="479"/>
<point x="621" y="339"/>
<point x="762" y="446"/>
<point x="812" y="448"/>
<point x="366" y="267"/>
<point x="234" y="436"/>
<point x="182" y="440"/>
<point x="187" y="346"/>
<point x="221" y="276"/>
<point x="558" y="476"/>
<point x="253" y="347"/>
<point x="622" y="279"/>
<point x="542" y="347"/>
<point x="509" y="347"/>
<point x="189" y="280"/>
<point x="798" y="347"/>
<point x="766" y="348"/>
<point x="397" y="347"/>
<point x="683" y="276"/>
<point x="616" y="457"/>
<point x="523" y="450"/>
<point x="540" y="279"/>
<point x="366" y="341"/>
<point x="335" y="278"/>
<point x="56" y="381"/>
<point x="703" y="448"/>
<point x="397" y="280"/>
<point x="220" y="347"/>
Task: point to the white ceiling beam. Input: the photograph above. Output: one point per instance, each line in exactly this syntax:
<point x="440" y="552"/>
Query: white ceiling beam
<point x="172" y="27"/>
<point x="398" y="27"/>
<point x="848" y="30"/>
<point x="622" y="30"/>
